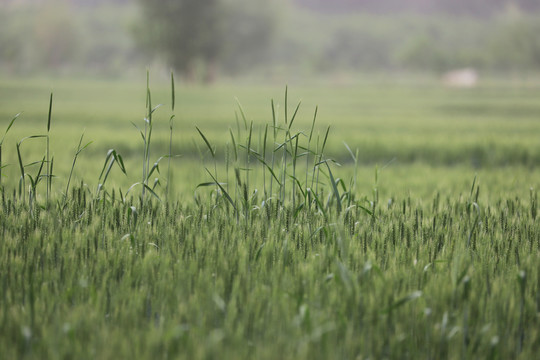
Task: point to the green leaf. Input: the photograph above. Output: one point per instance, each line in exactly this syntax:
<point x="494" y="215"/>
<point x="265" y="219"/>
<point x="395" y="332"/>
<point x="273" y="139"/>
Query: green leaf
<point x="294" y="115"/>
<point x="9" y="127"/>
<point x="234" y="145"/>
<point x="334" y="188"/>
<point x="50" y="113"/>
<point x="152" y="192"/>
<point x="172" y="92"/>
<point x="412" y="296"/>
<point x="313" y="124"/>
<point x="242" y="113"/>
<point x="212" y="151"/>
<point x="205" y="184"/>
<point x="227" y="196"/>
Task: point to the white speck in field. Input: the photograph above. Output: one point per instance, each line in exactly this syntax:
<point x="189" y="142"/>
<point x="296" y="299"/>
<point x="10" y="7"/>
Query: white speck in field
<point x="66" y="327"/>
<point x="26" y="332"/>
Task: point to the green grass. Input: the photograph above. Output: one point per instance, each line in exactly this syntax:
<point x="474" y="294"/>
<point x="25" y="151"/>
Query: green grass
<point x="263" y="247"/>
<point x="490" y="130"/>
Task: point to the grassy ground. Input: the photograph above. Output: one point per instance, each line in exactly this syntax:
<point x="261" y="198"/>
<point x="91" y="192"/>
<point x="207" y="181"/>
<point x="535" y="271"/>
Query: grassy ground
<point x="431" y="254"/>
<point x="492" y="127"/>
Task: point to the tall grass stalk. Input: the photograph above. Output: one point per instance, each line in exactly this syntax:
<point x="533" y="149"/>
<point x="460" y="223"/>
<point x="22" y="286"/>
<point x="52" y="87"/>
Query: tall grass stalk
<point x="284" y="156"/>
<point x="146" y="137"/>
<point x="288" y="146"/>
<point x="2" y="143"/>
<point x="308" y="150"/>
<point x="49" y="164"/>
<point x="354" y="156"/>
<point x="79" y="150"/>
<point x="22" y="180"/>
<point x="248" y="169"/>
<point x="34" y="181"/>
<point x="147" y="140"/>
<point x="235" y="152"/>
<point x="249" y="129"/>
<point x="113" y="157"/>
<point x="211" y="149"/>
<point x="318" y="160"/>
<point x="264" y="143"/>
<point x="171" y="124"/>
<point x="274" y="142"/>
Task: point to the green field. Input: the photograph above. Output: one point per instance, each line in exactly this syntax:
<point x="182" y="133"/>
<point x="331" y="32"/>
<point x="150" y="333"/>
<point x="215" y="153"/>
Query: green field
<point x="416" y="126"/>
<point x="422" y="241"/>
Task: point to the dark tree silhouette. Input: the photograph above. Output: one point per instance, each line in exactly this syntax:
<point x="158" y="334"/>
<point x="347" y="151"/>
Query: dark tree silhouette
<point x="206" y="34"/>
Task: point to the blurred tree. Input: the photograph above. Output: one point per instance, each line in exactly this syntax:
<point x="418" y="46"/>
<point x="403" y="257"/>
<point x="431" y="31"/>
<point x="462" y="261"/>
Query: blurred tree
<point x="249" y="29"/>
<point x="10" y="49"/>
<point x="194" y="34"/>
<point x="38" y="36"/>
<point x="353" y="49"/>
<point x="186" y="31"/>
<point x="515" y="45"/>
<point x="423" y="53"/>
<point x="56" y="35"/>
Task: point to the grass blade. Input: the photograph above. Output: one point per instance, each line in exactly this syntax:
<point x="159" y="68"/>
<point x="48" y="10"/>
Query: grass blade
<point x="334" y="188"/>
<point x="21" y="168"/>
<point x="222" y="189"/>
<point x="212" y="151"/>
<point x="50" y="113"/>
<point x="242" y="113"/>
<point x="412" y="296"/>
<point x="9" y="127"/>
<point x="173" y="97"/>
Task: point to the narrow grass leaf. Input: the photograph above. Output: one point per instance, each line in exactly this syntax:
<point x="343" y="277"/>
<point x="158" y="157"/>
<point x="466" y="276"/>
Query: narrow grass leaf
<point x="50" y="113"/>
<point x="234" y="144"/>
<point x="173" y="97"/>
<point x="212" y="151"/>
<point x="334" y="188"/>
<point x="412" y="296"/>
<point x="222" y="189"/>
<point x="9" y="127"/>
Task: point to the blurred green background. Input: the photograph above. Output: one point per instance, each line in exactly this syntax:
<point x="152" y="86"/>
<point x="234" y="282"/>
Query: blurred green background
<point x="426" y="137"/>
<point x="279" y="40"/>
<point x="432" y="91"/>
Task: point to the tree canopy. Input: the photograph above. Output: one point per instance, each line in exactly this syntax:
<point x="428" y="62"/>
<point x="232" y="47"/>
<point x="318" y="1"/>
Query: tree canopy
<point x="206" y="35"/>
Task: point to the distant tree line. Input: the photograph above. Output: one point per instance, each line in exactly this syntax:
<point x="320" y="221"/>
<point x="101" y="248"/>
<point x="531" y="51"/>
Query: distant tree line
<point x="201" y="39"/>
<point x="509" y="43"/>
<point x="455" y="7"/>
<point x="237" y="35"/>
<point x="67" y="36"/>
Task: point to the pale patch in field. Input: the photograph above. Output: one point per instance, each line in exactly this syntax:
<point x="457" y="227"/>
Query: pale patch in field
<point x="463" y="78"/>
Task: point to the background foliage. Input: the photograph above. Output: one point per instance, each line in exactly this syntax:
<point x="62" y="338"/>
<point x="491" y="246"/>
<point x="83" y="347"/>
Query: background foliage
<point x="272" y="39"/>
